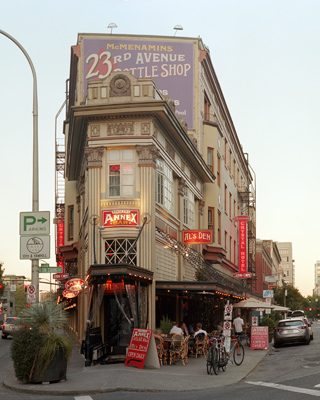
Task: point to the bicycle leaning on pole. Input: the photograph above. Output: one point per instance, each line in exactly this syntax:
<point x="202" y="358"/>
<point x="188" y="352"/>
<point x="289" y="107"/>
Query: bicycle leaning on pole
<point x="218" y="357"/>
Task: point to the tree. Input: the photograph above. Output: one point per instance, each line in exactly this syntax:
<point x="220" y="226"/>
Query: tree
<point x="1" y="279"/>
<point x="20" y="300"/>
<point x="294" y="299"/>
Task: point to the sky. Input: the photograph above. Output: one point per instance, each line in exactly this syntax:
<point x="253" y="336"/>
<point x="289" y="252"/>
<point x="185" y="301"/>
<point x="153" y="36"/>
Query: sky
<point x="266" y="56"/>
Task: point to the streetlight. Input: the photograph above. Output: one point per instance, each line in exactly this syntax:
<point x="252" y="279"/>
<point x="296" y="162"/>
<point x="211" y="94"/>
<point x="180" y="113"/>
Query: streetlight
<point x="35" y="171"/>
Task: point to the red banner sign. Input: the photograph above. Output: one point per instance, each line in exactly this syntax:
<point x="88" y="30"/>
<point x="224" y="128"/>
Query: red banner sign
<point x="142" y="348"/>
<point x="259" y="337"/>
<point x="196" y="237"/>
<point x="115" y="218"/>
<point x="243" y="248"/>
<point x="60" y="276"/>
<point x="112" y="287"/>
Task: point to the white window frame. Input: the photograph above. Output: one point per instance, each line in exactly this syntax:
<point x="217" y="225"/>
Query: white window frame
<point x="164" y="185"/>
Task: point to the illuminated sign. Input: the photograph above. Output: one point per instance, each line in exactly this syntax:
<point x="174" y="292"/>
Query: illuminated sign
<point x="170" y="63"/>
<point x="112" y="287"/>
<point x="75" y="284"/>
<point x="243" y="247"/>
<point x="197" y="237"/>
<point x="115" y="218"/>
<point x="60" y="243"/>
<point x="69" y="295"/>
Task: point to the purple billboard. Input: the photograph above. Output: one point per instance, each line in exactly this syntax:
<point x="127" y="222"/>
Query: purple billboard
<point x="169" y="64"/>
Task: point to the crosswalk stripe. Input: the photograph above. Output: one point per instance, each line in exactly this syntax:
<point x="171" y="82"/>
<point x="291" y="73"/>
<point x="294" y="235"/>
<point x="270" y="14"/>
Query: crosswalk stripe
<point x="83" y="398"/>
<point x="311" y="392"/>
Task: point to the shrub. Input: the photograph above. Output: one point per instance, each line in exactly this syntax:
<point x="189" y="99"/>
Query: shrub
<point x="166" y="324"/>
<point x="269" y="322"/>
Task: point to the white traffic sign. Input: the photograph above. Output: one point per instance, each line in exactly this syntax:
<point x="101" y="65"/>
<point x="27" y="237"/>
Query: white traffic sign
<point x="35" y="223"/>
<point x="268" y="293"/>
<point x="31" y="294"/>
<point x="34" y="247"/>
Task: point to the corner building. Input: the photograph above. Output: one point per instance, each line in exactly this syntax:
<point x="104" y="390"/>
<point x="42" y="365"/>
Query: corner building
<point x="151" y="151"/>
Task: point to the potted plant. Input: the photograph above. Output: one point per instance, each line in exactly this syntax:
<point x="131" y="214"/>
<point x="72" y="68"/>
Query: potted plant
<point x="165" y="324"/>
<point x="40" y="350"/>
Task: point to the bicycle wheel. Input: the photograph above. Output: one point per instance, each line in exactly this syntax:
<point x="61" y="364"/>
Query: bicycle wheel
<point x="216" y="361"/>
<point x="223" y="359"/>
<point x="238" y="354"/>
<point x="210" y="357"/>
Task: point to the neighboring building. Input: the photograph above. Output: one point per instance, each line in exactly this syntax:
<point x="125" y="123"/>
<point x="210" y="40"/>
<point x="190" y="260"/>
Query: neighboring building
<point x="287" y="267"/>
<point x="316" y="290"/>
<point x="131" y="162"/>
<point x="267" y="265"/>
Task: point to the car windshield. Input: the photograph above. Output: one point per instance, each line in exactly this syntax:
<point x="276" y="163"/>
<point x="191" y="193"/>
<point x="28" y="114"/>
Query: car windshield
<point x="290" y="323"/>
<point x="13" y="321"/>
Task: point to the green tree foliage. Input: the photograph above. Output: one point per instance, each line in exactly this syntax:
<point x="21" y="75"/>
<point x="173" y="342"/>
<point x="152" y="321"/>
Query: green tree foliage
<point x="294" y="299"/>
<point x="1" y="279"/>
<point x="20" y="300"/>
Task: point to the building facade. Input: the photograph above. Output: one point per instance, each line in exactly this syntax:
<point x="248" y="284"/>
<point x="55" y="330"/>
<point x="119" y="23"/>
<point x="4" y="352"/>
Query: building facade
<point x="316" y="290"/>
<point x="268" y="260"/>
<point x="150" y="153"/>
<point x="287" y="267"/>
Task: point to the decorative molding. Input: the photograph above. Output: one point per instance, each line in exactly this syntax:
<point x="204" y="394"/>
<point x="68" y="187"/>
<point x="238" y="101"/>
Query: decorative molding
<point x="145" y="128"/>
<point x="95" y="131"/>
<point x="193" y="178"/>
<point x="120" y="85"/>
<point x="120" y="129"/>
<point x="148" y="155"/>
<point x="94" y="156"/>
<point x="181" y="187"/>
<point x="201" y="207"/>
<point x="117" y="203"/>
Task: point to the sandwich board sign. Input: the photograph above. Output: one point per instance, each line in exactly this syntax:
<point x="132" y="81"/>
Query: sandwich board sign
<point x="142" y="350"/>
<point x="259" y="337"/>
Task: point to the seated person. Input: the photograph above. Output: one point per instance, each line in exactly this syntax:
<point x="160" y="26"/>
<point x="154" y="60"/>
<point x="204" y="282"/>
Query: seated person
<point x="184" y="329"/>
<point x="199" y="331"/>
<point x="176" y="329"/>
<point x="190" y="329"/>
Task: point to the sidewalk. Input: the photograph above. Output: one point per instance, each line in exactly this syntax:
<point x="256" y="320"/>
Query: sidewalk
<point x="83" y="380"/>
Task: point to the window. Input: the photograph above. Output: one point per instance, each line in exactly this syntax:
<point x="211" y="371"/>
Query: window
<point x="225" y="152"/>
<point x="164" y="185"/>
<point x="230" y="247"/>
<point x="207" y="108"/>
<point x="116" y="250"/>
<point x="219" y="228"/>
<point x="121" y="173"/>
<point x="210" y="158"/>
<point x="225" y="240"/>
<point x="70" y="222"/>
<point x="234" y="252"/>
<point x="230" y="205"/>
<point x="218" y="170"/>
<point x="211" y="219"/>
<point x="225" y="198"/>
<point x="188" y="207"/>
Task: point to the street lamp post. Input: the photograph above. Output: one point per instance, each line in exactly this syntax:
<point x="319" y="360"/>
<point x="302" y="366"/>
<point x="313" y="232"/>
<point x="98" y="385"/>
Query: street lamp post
<point x="35" y="170"/>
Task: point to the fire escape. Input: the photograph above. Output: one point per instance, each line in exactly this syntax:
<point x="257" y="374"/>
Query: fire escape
<point x="59" y="191"/>
<point x="247" y="194"/>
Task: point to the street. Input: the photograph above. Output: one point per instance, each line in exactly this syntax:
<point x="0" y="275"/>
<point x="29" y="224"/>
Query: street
<point x="289" y="372"/>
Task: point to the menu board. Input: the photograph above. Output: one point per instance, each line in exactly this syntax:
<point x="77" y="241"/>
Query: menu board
<point x="142" y="350"/>
<point x="259" y="337"/>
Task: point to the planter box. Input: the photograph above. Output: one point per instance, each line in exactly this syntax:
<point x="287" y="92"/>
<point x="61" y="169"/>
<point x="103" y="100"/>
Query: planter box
<point x="56" y="371"/>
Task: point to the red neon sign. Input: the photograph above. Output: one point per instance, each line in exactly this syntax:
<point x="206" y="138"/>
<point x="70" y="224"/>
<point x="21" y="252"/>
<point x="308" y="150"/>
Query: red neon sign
<point x="198" y="236"/>
<point x="243" y="248"/>
<point x="60" y="243"/>
<point x="115" y="218"/>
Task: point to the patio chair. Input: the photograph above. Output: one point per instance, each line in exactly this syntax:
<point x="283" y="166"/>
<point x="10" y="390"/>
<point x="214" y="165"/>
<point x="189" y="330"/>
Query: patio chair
<point x="162" y="353"/>
<point x="201" y="345"/>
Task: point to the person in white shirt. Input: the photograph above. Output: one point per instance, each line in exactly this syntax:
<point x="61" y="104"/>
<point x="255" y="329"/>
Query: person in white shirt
<point x="200" y="331"/>
<point x="176" y="329"/>
<point x="238" y="324"/>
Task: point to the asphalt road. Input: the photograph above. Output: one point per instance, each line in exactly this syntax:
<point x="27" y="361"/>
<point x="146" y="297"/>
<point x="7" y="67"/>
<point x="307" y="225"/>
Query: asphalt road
<point x="288" y="373"/>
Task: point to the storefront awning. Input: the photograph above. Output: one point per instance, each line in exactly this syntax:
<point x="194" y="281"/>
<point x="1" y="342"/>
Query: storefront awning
<point x="119" y="271"/>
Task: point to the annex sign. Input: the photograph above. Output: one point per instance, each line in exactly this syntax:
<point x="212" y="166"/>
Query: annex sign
<point x="123" y="217"/>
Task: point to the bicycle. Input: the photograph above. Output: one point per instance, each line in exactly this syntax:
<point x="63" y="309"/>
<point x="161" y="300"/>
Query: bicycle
<point x="218" y="357"/>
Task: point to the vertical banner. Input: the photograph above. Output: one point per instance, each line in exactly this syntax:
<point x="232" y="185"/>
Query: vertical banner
<point x="243" y="247"/>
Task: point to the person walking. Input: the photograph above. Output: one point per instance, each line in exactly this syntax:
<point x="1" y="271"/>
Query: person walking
<point x="238" y="324"/>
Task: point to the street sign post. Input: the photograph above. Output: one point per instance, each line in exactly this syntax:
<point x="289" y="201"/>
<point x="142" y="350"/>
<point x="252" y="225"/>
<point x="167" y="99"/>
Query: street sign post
<point x="35" y="223"/>
<point x="34" y="247"/>
<point x="31" y="294"/>
<point x="60" y="276"/>
<point x="46" y="269"/>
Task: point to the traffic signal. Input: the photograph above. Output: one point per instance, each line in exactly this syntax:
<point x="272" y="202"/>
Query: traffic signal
<point x="28" y="305"/>
<point x="314" y="308"/>
<point x="307" y="308"/>
<point x="25" y="287"/>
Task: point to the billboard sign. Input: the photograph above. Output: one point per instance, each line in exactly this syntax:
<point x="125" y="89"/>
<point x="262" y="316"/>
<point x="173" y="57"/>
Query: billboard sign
<point x="197" y="237"/>
<point x="169" y="63"/>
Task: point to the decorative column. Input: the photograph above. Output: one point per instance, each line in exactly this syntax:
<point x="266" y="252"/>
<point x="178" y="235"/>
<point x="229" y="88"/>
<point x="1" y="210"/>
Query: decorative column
<point x="147" y="243"/>
<point x="181" y="187"/>
<point x="94" y="164"/>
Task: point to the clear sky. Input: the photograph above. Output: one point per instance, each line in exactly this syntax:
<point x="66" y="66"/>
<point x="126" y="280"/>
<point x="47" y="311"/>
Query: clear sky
<point x="266" y="56"/>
